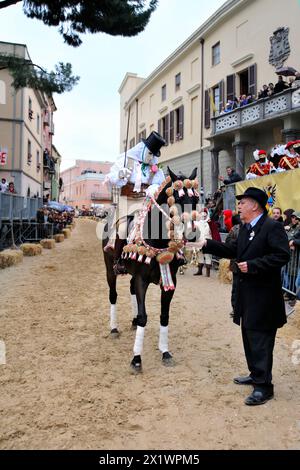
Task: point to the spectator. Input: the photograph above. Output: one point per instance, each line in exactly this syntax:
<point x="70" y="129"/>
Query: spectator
<point x="233" y="177"/>
<point x="287" y="218"/>
<point x="277" y="214"/>
<point x="243" y="100"/>
<point x="280" y="85"/>
<point x="271" y="89"/>
<point x="205" y="233"/>
<point x="3" y="185"/>
<point x="296" y="82"/>
<point x="264" y="93"/>
<point x="11" y="188"/>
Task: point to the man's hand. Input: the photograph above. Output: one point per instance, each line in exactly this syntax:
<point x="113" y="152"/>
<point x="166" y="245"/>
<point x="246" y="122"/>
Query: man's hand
<point x="124" y="173"/>
<point x="243" y="267"/>
<point x="201" y="244"/>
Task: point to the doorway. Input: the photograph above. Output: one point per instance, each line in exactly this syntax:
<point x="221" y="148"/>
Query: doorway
<point x="244" y="82"/>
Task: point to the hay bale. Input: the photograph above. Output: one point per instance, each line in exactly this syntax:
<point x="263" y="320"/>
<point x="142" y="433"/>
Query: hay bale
<point x="59" y="237"/>
<point x="31" y="249"/>
<point x="69" y="227"/>
<point x="66" y="232"/>
<point x="48" y="243"/>
<point x="10" y="258"/>
<point x="224" y="274"/>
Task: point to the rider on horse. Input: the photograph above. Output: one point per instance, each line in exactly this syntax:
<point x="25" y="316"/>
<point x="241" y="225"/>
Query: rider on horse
<point x="137" y="174"/>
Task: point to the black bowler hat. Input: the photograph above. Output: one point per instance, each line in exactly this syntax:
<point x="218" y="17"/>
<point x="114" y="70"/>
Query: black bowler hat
<point x="257" y="194"/>
<point x="154" y="142"/>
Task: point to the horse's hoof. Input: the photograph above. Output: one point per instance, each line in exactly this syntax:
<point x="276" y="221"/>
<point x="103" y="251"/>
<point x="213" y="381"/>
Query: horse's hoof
<point x="136" y="365"/>
<point x="134" y="324"/>
<point x="167" y="359"/>
<point x="115" y="333"/>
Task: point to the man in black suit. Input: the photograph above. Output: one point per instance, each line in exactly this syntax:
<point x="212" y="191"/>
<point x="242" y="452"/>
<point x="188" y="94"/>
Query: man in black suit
<point x="261" y="250"/>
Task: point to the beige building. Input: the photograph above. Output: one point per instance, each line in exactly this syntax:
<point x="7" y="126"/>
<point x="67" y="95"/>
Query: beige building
<point x="184" y="97"/>
<point x="26" y="129"/>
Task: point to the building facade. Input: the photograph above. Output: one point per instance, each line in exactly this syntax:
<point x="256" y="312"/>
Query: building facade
<point x="235" y="52"/>
<point x="23" y="133"/>
<point x="83" y="184"/>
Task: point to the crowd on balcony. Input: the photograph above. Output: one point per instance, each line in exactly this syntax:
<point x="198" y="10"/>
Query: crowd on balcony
<point x="265" y="92"/>
<point x="48" y="161"/>
<point x="6" y="187"/>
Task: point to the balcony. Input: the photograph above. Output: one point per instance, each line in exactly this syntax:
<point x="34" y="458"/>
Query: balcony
<point x="257" y="113"/>
<point x="100" y="196"/>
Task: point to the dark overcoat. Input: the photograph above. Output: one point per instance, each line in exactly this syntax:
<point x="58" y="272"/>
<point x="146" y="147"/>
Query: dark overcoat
<point x="259" y="298"/>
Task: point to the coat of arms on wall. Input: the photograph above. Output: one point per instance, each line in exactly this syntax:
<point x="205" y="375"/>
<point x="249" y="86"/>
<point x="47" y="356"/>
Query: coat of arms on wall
<point x="280" y="47"/>
<point x="271" y="193"/>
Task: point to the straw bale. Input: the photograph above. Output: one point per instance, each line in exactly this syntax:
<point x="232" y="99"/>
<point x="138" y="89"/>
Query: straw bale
<point x="224" y="274"/>
<point x="59" y="237"/>
<point x="31" y="249"/>
<point x="66" y="232"/>
<point x="10" y="258"/>
<point x="48" y="243"/>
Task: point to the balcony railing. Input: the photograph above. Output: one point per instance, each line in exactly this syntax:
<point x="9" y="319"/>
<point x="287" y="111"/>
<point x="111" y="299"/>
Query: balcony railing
<point x="255" y="113"/>
<point x="100" y="196"/>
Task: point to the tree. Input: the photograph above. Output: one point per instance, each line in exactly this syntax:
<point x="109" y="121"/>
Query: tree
<point x="73" y="17"/>
<point x="27" y="74"/>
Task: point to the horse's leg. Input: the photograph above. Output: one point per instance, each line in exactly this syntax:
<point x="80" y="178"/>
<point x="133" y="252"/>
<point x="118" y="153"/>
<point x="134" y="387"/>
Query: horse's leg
<point x="134" y="305"/>
<point x="112" y="282"/>
<point x="166" y="298"/>
<point x="140" y="288"/>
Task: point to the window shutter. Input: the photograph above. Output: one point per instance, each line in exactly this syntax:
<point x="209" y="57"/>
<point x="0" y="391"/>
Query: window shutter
<point x="252" y="79"/>
<point x="181" y="121"/>
<point x="167" y="129"/>
<point x="159" y="126"/>
<point x="230" y="87"/>
<point x="207" y="110"/>
<point x="172" y="127"/>
<point x="222" y="97"/>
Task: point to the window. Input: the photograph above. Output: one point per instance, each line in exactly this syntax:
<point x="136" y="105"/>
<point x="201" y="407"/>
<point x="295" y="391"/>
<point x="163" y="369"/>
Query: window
<point x="38" y="123"/>
<point x="38" y="164"/>
<point x="177" y="81"/>
<point x="216" y="54"/>
<point x="132" y="143"/>
<point x="164" y="92"/>
<point x="2" y="92"/>
<point x="163" y="128"/>
<point x="177" y="124"/>
<point x="29" y="155"/>
<point x="195" y="69"/>
<point x="195" y="115"/>
<point x="151" y="101"/>
<point x="216" y="102"/>
<point x="30" y="111"/>
<point x="142" y="135"/>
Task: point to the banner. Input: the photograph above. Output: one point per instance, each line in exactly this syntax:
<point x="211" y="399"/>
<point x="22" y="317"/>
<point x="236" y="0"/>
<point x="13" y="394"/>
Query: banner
<point x="3" y="156"/>
<point x="283" y="189"/>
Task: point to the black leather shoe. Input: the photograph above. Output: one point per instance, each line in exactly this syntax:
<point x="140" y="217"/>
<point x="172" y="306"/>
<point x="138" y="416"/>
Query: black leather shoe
<point x="258" y="397"/>
<point x="243" y="380"/>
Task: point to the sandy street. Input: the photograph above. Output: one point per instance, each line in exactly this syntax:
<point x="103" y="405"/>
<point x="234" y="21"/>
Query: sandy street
<point x="67" y="385"/>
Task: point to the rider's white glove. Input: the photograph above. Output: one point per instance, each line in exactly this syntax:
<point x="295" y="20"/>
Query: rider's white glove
<point x="124" y="173"/>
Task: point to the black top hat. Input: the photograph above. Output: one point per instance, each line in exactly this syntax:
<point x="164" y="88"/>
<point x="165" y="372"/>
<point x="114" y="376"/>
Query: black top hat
<point x="257" y="194"/>
<point x="154" y="142"/>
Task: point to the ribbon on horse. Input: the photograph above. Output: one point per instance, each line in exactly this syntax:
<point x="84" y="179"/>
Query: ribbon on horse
<point x="166" y="277"/>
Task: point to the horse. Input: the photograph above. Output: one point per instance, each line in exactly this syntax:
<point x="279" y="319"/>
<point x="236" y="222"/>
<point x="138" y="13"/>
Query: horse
<point x="164" y="223"/>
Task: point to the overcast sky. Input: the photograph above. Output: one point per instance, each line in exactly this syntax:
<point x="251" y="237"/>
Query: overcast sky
<point x="87" y="118"/>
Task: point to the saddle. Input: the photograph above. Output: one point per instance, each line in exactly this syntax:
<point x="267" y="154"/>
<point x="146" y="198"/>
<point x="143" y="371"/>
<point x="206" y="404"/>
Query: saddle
<point x="127" y="190"/>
